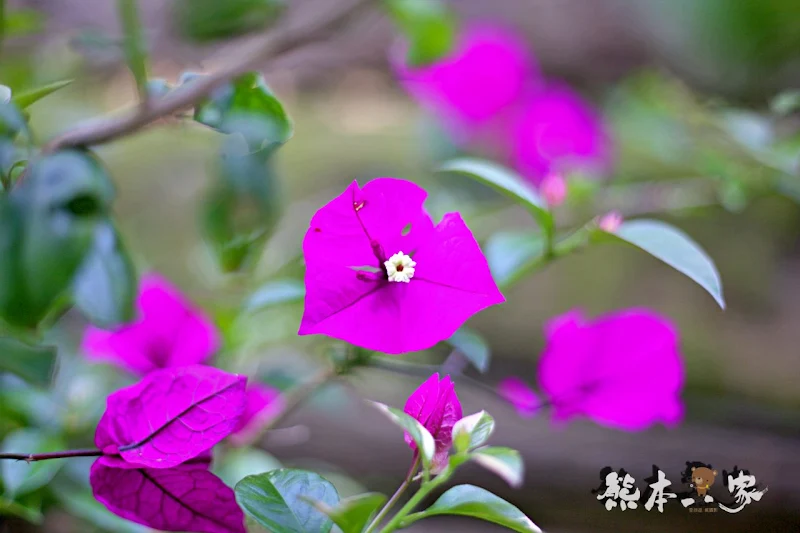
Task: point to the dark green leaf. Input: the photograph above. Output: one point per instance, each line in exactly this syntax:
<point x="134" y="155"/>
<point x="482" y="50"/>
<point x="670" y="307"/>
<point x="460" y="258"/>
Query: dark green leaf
<point x="421" y="436"/>
<point x="34" y="364"/>
<point x="48" y="222"/>
<point x="673" y="247"/>
<point x="473" y="431"/>
<point x="238" y="463"/>
<point x="352" y="515"/>
<point x="242" y="208"/>
<point x="504" y="181"/>
<point x="504" y="462"/>
<point x="511" y="255"/>
<point x="20" y="477"/>
<point x="429" y="27"/>
<point x="27" y="98"/>
<point x="475" y="502"/>
<point x="279" y="500"/>
<point x="28" y="508"/>
<point x="277" y="292"/>
<point x="105" y="286"/>
<point x="473" y="346"/>
<point x="207" y="20"/>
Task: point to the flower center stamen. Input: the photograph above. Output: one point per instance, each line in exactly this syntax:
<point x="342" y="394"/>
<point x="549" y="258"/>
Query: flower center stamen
<point x="400" y="268"/>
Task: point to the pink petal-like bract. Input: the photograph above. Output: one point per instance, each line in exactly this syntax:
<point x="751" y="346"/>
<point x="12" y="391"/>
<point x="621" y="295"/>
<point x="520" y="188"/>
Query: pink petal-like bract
<point x="184" y="498"/>
<point x="520" y="395"/>
<point x="263" y="404"/>
<point x="485" y="74"/>
<point x="168" y="332"/>
<point x="170" y="416"/>
<point x="348" y="292"/>
<point x="622" y="370"/>
<point x="556" y="131"/>
<point x="436" y="406"/>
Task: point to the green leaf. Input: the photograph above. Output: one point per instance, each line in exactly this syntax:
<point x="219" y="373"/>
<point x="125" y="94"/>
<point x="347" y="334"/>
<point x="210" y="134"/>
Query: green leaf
<point x="671" y="246"/>
<point x="34" y="364"/>
<point x="428" y="25"/>
<point x="29" y="97"/>
<point x="247" y="107"/>
<point x="279" y="500"/>
<point x="20" y="477"/>
<point x="352" y="515"/>
<point x="105" y="287"/>
<point x="420" y="435"/>
<point x="504" y="462"/>
<point x="47" y="225"/>
<point x="475" y="502"/>
<point x="473" y="431"/>
<point x="473" y="346"/>
<point x="238" y="463"/>
<point x="511" y="255"/>
<point x="208" y="20"/>
<point x="277" y="292"/>
<point x="504" y="181"/>
<point x="242" y="208"/>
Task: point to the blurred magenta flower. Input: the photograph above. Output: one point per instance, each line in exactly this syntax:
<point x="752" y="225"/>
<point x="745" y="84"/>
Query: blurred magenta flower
<point x="381" y="276"/>
<point x="556" y="131"/>
<point x="263" y="404"/>
<point x="186" y="497"/>
<point x="490" y="95"/>
<point x="168" y="332"/>
<point x="485" y="75"/>
<point x="171" y="416"/>
<point x="520" y="395"/>
<point x="610" y="222"/>
<point x="621" y="370"/>
<point x="435" y="405"/>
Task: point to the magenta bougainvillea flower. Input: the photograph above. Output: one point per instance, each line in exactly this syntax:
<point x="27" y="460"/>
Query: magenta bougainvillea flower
<point x="184" y="498"/>
<point x="556" y="131"/>
<point x="490" y="95"/>
<point x="380" y="275"/>
<point x="485" y="75"/>
<point x="169" y="332"/>
<point x="621" y="370"/>
<point x="263" y="404"/>
<point x="610" y="222"/>
<point x="520" y="395"/>
<point x="435" y="405"/>
<point x="170" y="416"/>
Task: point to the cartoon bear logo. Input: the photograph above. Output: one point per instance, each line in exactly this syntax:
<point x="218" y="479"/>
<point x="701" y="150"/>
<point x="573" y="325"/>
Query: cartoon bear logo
<point x="702" y="479"/>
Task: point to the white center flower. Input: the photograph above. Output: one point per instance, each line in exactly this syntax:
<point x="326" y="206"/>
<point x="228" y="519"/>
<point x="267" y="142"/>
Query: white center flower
<point x="400" y="267"/>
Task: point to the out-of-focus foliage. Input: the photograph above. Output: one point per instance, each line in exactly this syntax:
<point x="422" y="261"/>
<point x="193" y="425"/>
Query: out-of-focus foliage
<point x="207" y="20"/>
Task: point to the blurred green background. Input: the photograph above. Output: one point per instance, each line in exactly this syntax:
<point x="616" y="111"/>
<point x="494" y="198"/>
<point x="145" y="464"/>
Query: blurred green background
<point x="686" y="86"/>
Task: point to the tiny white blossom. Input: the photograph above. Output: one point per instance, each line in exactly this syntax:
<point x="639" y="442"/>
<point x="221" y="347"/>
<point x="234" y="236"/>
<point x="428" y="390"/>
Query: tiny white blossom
<point x="400" y="267"/>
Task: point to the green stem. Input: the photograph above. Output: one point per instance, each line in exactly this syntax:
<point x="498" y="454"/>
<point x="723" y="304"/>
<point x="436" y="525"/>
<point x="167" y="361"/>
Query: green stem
<point x="396" y="496"/>
<point x="397" y="520"/>
<point x="134" y="44"/>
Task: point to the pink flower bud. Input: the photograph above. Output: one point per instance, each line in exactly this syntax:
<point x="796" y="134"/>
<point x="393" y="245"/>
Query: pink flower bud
<point x="610" y="222"/>
<point x="554" y="189"/>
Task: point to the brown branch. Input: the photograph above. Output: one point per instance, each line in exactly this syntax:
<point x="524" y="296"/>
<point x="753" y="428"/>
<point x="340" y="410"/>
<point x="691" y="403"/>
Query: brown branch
<point x="261" y="48"/>
<point x="33" y="457"/>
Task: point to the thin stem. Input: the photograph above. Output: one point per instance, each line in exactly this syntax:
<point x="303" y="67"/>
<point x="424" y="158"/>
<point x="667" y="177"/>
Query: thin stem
<point x="134" y="44"/>
<point x="426" y="488"/>
<point x="33" y="457"/>
<point x="395" y="497"/>
<point x="262" y="48"/>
